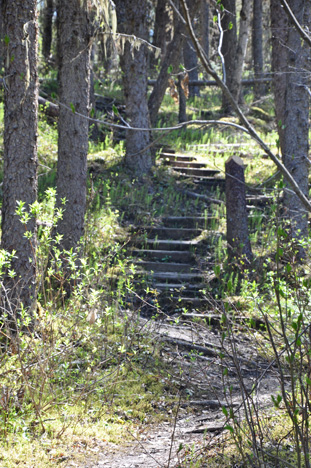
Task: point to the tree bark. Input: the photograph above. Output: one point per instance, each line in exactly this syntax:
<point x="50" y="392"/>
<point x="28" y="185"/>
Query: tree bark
<point x="163" y="27"/>
<point x="204" y="26"/>
<point x="279" y="29"/>
<point x="1" y="36"/>
<point x="191" y="65"/>
<point x="182" y="112"/>
<point x="74" y="77"/>
<point x="229" y="48"/>
<point x="171" y="59"/>
<point x="245" y="20"/>
<point x="48" y="13"/>
<point x="20" y="147"/>
<point x="132" y="20"/>
<point x="290" y="70"/>
<point x="296" y="120"/>
<point x="239" y="247"/>
<point x="257" y="47"/>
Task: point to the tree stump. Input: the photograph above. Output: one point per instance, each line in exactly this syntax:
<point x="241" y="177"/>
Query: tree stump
<point x="239" y="247"/>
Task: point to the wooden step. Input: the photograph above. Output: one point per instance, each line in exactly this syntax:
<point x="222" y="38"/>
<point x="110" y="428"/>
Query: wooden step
<point x="164" y="233"/>
<point x="165" y="267"/>
<point x="185" y="164"/>
<point x="164" y="255"/>
<point x="189" y="301"/>
<point x="186" y="288"/>
<point x="189" y="221"/>
<point x="208" y="182"/>
<point x="177" y="157"/>
<point x="168" y="276"/>
<point x="172" y="244"/>
<point x="196" y="171"/>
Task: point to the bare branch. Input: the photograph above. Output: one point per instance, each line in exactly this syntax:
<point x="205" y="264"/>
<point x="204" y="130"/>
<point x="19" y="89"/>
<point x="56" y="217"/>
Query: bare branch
<point x="296" y="23"/>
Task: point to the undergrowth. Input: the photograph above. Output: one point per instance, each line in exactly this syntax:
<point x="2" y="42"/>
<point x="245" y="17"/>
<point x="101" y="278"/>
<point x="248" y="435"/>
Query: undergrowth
<point x="86" y="371"/>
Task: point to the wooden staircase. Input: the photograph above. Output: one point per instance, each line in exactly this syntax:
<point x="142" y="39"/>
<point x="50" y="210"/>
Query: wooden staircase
<point x="187" y="166"/>
<point x="167" y="256"/>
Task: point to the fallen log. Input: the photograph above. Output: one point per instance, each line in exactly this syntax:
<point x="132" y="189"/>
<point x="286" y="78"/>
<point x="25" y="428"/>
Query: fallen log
<point x="206" y="351"/>
<point x="246" y="82"/>
<point x="50" y="109"/>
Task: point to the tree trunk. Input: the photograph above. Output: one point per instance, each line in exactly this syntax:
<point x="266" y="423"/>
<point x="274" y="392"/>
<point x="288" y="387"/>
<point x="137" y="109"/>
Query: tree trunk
<point x="296" y="120"/>
<point x="74" y="77"/>
<point x="48" y="13"/>
<point x="170" y="60"/>
<point x="257" y="47"/>
<point x="245" y="20"/>
<point x="239" y="247"/>
<point x="229" y="48"/>
<point x="132" y="20"/>
<point x="279" y="28"/>
<point x="204" y="26"/>
<point x="182" y="112"/>
<point x="163" y="27"/>
<point x="191" y="65"/>
<point x="20" y="147"/>
<point x="1" y="37"/>
<point x="290" y="76"/>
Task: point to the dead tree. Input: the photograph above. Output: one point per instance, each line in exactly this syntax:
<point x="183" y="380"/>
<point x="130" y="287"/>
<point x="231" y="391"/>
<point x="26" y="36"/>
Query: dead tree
<point x="239" y="247"/>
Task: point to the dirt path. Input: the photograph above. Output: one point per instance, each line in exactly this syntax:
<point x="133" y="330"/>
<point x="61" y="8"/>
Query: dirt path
<point x="200" y="420"/>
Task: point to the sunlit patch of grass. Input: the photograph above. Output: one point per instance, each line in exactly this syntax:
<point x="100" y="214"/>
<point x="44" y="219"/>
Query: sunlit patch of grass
<point x="47" y="142"/>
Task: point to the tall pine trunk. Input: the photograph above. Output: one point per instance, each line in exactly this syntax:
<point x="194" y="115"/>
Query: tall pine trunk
<point x="132" y="20"/>
<point x="191" y="65"/>
<point x="296" y="135"/>
<point x="204" y="26"/>
<point x="20" y="148"/>
<point x="171" y="60"/>
<point x="257" y="47"/>
<point x="163" y="27"/>
<point x="290" y="70"/>
<point x="48" y="13"/>
<point x="1" y="37"/>
<point x="245" y="20"/>
<point x="74" y="79"/>
<point x="229" y="48"/>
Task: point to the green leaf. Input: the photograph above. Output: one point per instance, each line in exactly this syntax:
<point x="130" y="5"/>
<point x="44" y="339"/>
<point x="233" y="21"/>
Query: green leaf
<point x="6" y="40"/>
<point x="72" y="108"/>
<point x="282" y="233"/>
<point x="180" y="448"/>
<point x="225" y="411"/>
<point x="115" y="110"/>
<point x="229" y="428"/>
<point x="170" y="69"/>
<point x="230" y="25"/>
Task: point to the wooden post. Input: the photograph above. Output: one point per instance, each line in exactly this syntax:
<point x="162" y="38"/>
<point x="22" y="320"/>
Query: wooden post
<point x="182" y="114"/>
<point x="239" y="247"/>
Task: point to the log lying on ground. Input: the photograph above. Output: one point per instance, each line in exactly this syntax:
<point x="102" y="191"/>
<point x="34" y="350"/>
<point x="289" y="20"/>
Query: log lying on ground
<point x="50" y="109"/>
<point x="249" y="82"/>
<point x="206" y="351"/>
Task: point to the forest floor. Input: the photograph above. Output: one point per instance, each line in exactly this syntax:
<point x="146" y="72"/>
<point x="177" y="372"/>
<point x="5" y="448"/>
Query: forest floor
<point x="197" y="431"/>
